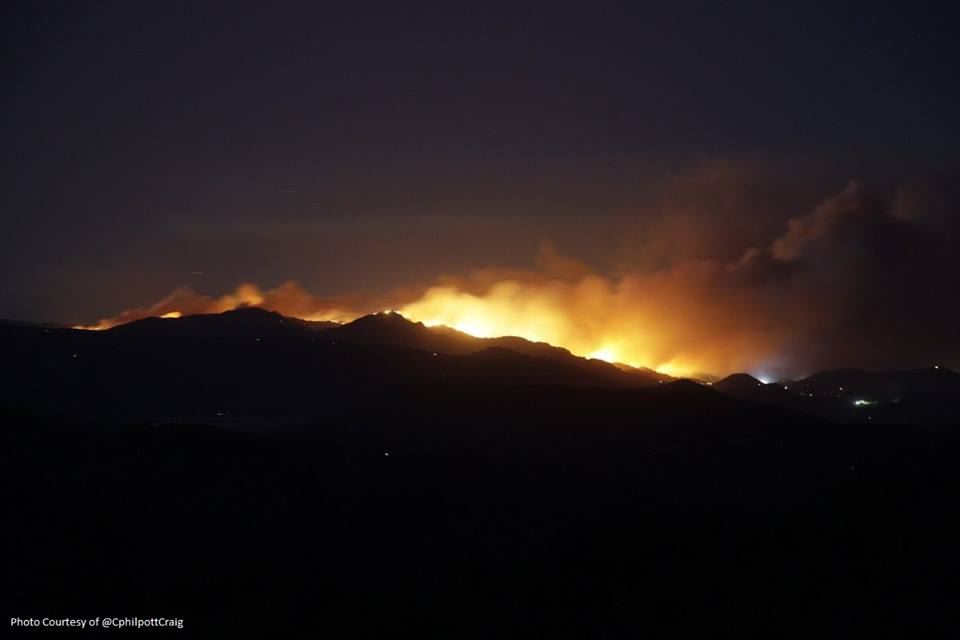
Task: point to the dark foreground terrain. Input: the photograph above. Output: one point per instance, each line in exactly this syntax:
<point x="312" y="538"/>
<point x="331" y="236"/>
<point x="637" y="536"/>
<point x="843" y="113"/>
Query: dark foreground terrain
<point x="499" y="499"/>
<point x="487" y="521"/>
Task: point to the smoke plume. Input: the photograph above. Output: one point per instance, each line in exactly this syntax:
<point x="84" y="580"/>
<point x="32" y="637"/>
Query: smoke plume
<point x="861" y="280"/>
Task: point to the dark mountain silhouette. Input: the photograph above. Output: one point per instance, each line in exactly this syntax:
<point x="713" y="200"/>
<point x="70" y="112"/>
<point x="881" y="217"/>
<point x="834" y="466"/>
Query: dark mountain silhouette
<point x="850" y="382"/>
<point x="737" y="383"/>
<point x="243" y="322"/>
<point x="252" y="362"/>
<point x="384" y="479"/>
<point x="380" y="329"/>
<point x="395" y="330"/>
<point x="745" y="387"/>
<point x="930" y="396"/>
<point x="686" y="389"/>
<point x="384" y="329"/>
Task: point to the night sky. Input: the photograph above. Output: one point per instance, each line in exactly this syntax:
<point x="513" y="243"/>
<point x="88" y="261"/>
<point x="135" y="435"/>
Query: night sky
<point x="362" y="147"/>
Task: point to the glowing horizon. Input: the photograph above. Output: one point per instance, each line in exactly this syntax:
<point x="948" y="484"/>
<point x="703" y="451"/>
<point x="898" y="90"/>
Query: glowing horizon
<point x="481" y="326"/>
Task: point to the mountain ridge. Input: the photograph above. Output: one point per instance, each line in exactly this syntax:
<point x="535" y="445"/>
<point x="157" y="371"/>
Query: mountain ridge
<point x="259" y="361"/>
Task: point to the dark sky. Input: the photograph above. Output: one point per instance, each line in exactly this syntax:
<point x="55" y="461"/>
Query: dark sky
<point x="361" y="146"/>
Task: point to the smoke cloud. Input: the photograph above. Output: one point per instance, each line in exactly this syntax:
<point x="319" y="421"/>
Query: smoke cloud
<point x="861" y="280"/>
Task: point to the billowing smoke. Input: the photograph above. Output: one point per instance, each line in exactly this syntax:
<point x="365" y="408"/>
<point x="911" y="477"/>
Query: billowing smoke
<point x="860" y="280"/>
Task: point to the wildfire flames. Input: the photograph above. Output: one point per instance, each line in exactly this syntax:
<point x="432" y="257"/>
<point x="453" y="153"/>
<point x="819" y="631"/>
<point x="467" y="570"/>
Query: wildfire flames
<point x="538" y="313"/>
<point x="817" y="296"/>
<point x="509" y="308"/>
<point x="590" y="316"/>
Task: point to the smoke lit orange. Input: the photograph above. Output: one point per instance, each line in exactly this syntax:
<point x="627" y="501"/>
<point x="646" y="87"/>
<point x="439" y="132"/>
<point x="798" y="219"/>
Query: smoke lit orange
<point x="771" y="310"/>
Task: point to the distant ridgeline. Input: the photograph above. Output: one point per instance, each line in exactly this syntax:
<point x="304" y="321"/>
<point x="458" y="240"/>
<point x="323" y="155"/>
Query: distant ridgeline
<point x="252" y="363"/>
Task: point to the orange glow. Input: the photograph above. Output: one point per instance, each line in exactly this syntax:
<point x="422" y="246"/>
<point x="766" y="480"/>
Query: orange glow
<point x="684" y="321"/>
<point x="658" y="321"/>
<point x="770" y="307"/>
<point x="541" y="312"/>
<point x="585" y="317"/>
